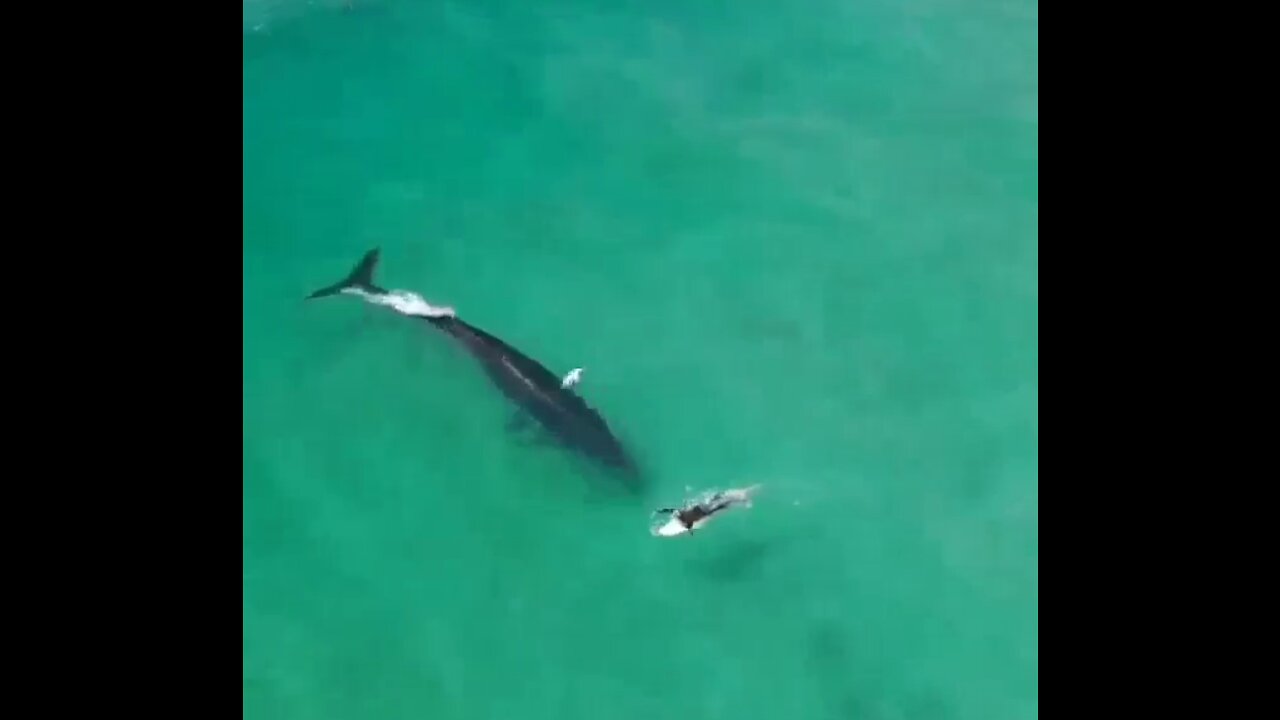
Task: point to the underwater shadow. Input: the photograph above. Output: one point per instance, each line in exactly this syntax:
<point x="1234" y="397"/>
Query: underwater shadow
<point x="736" y="561"/>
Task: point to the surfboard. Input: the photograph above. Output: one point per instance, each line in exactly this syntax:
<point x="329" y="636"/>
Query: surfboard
<point x="672" y="528"/>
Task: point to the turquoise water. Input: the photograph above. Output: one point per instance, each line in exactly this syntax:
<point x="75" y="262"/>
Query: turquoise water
<point x="790" y="244"/>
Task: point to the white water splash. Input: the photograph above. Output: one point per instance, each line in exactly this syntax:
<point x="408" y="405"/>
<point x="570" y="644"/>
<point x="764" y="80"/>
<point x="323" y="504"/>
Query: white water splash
<point x="405" y="303"/>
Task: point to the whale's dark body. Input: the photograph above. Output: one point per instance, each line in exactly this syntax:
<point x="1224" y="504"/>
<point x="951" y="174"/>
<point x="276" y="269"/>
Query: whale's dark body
<point x="534" y="389"/>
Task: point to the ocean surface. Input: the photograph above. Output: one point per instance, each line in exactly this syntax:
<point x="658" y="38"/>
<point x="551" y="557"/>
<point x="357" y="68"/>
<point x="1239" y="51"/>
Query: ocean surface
<point x="792" y="244"/>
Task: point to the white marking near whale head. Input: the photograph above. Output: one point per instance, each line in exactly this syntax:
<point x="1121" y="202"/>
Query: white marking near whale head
<point x="573" y="377"/>
<point x="403" y="302"/>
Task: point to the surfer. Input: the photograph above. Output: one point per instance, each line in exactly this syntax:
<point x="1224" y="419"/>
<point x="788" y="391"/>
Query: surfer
<point x="694" y="515"/>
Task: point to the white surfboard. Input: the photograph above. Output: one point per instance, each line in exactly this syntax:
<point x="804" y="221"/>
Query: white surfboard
<point x="672" y="528"/>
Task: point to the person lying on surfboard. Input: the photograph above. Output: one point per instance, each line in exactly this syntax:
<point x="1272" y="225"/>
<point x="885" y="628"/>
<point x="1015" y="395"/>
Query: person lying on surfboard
<point x="694" y="515"/>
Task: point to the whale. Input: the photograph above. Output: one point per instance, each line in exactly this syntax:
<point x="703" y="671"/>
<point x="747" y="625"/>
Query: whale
<point x="537" y="393"/>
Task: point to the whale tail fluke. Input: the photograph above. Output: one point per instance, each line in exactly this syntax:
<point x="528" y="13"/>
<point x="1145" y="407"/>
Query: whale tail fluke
<point x="361" y="278"/>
